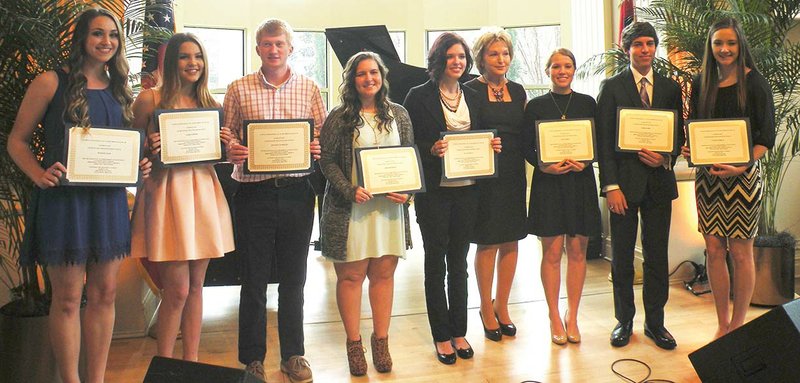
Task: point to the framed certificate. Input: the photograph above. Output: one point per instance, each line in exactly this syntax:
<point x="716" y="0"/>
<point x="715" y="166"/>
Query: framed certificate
<point x="566" y="139"/>
<point x="719" y="141"/>
<point x="390" y="169"/>
<point x="652" y="129"/>
<point x="189" y="136"/>
<point x="278" y="146"/>
<point x="101" y="156"/>
<point x="469" y="155"/>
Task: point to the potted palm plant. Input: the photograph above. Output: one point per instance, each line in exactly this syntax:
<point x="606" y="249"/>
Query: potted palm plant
<point x="34" y="37"/>
<point x="683" y="25"/>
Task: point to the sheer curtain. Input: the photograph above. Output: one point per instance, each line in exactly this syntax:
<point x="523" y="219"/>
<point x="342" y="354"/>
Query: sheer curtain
<point x="588" y="39"/>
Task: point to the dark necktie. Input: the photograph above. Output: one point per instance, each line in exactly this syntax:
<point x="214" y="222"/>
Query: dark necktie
<point x="643" y="92"/>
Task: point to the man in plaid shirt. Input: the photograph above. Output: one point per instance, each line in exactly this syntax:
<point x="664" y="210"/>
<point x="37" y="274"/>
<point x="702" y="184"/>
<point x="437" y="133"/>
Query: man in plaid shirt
<point x="274" y="215"/>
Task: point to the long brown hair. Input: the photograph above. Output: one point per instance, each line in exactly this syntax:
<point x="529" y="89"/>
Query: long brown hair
<point x="171" y="80"/>
<point x="351" y="103"/>
<point x="76" y="105"/>
<point x="437" y="55"/>
<point x="709" y="75"/>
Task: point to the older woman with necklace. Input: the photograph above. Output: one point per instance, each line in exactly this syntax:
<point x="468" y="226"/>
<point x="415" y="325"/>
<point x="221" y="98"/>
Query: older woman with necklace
<point x="501" y="201"/>
<point x="563" y="210"/>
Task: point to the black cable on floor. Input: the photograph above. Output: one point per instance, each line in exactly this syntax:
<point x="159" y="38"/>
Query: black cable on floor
<point x="646" y="378"/>
<point x="681" y="264"/>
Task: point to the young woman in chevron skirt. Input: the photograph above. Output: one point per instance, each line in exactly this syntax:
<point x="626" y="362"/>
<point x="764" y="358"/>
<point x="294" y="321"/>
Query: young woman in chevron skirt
<point x="729" y="196"/>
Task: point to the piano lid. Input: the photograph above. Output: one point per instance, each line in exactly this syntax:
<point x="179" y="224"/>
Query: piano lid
<point x="348" y="41"/>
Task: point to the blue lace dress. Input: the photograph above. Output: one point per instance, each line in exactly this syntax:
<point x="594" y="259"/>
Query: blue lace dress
<point x="76" y="224"/>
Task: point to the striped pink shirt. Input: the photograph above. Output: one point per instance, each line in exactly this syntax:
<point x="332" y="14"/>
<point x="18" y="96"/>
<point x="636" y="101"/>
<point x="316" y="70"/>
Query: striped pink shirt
<point x="253" y="98"/>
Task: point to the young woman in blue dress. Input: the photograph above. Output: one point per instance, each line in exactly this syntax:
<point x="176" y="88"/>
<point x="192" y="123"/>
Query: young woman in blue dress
<point x="79" y="233"/>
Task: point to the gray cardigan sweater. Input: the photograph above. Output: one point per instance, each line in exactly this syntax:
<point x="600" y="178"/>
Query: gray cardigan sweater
<point x="336" y="163"/>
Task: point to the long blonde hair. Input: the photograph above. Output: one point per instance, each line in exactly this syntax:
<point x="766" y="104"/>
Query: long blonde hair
<point x="171" y="80"/>
<point x="76" y="108"/>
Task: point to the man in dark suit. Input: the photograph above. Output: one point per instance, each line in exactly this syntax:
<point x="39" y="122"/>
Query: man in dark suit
<point x="641" y="183"/>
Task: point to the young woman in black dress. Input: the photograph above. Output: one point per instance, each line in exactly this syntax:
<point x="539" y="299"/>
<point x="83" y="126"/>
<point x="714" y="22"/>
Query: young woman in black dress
<point x="563" y="210"/>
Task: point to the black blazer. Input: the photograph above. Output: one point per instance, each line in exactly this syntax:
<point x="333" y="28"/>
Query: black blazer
<point x="625" y="169"/>
<point x="425" y="109"/>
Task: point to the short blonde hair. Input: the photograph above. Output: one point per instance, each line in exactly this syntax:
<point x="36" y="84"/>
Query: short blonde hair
<point x="274" y="27"/>
<point x="488" y="37"/>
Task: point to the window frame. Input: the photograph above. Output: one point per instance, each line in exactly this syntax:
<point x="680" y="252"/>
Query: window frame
<point x="221" y="90"/>
<point x="324" y="89"/>
<point x="404" y="52"/>
<point x="532" y="89"/>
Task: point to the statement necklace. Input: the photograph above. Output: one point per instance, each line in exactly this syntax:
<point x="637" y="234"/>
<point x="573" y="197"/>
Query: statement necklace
<point x="564" y="112"/>
<point x="499" y="92"/>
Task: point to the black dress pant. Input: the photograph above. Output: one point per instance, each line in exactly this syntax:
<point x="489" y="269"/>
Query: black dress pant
<point x="272" y="222"/>
<point x="655" y="237"/>
<point x="446" y="217"/>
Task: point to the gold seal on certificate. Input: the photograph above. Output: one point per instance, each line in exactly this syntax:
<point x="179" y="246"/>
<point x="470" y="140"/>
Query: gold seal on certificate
<point x="559" y="140"/>
<point x="469" y="155"/>
<point x="651" y="129"/>
<point x="391" y="169"/>
<point x="719" y="141"/>
<point x="189" y="135"/>
<point x="101" y="156"/>
<point x="278" y="146"/>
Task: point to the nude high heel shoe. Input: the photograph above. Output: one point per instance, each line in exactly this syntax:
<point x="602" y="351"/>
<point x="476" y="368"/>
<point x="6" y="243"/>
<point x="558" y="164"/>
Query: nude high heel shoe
<point x="572" y="338"/>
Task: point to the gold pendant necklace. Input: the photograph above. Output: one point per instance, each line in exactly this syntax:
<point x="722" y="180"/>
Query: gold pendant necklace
<point x="562" y="113"/>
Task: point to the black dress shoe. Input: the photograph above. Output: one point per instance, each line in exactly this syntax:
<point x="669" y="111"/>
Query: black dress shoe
<point x="661" y="336"/>
<point x="444" y="358"/>
<point x="621" y="334"/>
<point x="463" y="353"/>
<point x="493" y="335"/>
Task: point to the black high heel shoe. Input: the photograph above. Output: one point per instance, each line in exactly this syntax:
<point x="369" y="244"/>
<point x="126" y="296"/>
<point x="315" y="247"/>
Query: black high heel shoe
<point x="507" y="329"/>
<point x="463" y="353"/>
<point x="444" y="358"/>
<point x="493" y="335"/>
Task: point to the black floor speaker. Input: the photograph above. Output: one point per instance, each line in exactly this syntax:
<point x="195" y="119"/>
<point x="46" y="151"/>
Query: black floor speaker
<point x="767" y="349"/>
<point x="166" y="370"/>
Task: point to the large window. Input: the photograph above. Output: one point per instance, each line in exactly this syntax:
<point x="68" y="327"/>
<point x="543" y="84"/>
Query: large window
<point x="532" y="47"/>
<point x="310" y="58"/>
<point x="225" y="56"/>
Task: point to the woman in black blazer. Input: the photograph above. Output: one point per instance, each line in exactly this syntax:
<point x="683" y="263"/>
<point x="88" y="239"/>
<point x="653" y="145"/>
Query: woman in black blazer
<point x="446" y="212"/>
